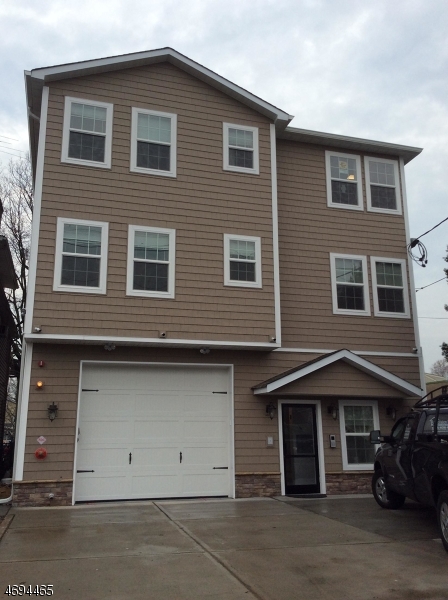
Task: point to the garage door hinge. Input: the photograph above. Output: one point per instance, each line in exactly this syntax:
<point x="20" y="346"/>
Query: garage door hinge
<point x="219" y="392"/>
<point x="86" y="390"/>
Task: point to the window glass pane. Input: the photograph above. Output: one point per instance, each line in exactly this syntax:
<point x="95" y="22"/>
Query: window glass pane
<point x="358" y="419"/>
<point x="154" y="128"/>
<point x="81" y="239"/>
<point x="389" y="274"/>
<point x="391" y="300"/>
<point x="343" y="168"/>
<point x="382" y="173"/>
<point x="80" y="271"/>
<point x="359" y="450"/>
<point x="349" y="270"/>
<point x="242" y="271"/>
<point x="151" y="245"/>
<point x="150" y="277"/>
<point x="86" y="147"/>
<point x="242" y="249"/>
<point x="241" y="158"/>
<point x="241" y="138"/>
<point x="383" y="197"/>
<point x="153" y="156"/>
<point x="350" y="297"/>
<point x="344" y="193"/>
<point x="88" y="118"/>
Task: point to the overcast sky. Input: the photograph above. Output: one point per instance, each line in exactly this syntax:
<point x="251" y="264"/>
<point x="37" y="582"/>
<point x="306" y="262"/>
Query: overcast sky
<point x="376" y="69"/>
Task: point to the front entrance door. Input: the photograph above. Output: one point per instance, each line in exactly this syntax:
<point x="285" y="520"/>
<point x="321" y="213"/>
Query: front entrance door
<point x="300" y="452"/>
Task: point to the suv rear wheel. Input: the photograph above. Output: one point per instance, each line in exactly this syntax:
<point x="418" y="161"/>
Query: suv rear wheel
<point x="442" y="516"/>
<point x="386" y="498"/>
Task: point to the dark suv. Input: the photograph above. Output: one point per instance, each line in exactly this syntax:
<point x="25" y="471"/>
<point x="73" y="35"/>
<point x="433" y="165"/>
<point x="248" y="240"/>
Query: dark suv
<point x="412" y="462"/>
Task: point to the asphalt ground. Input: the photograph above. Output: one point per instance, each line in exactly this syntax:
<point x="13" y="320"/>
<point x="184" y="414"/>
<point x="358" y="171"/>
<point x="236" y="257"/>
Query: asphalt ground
<point x="278" y="549"/>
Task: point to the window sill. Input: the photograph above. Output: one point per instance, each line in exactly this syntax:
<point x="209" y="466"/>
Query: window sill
<point x="143" y="294"/>
<point x="155" y="172"/>
<point x="241" y="170"/>
<point x="85" y="163"/>
<point x="345" y="206"/>
<point x="78" y="289"/>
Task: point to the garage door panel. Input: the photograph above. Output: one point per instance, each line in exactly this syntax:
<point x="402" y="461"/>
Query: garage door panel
<point x="155" y="413"/>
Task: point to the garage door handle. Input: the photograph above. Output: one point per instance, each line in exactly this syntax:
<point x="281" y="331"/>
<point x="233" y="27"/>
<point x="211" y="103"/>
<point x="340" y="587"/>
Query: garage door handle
<point x="180" y="457"/>
<point x="130" y="457"/>
<point x="220" y="467"/>
<point x="85" y="471"/>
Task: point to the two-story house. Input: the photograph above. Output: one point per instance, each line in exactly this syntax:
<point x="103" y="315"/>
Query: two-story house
<point x="219" y="304"/>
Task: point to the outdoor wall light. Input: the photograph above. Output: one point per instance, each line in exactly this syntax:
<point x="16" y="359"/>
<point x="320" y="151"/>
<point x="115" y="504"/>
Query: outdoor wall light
<point x="270" y="410"/>
<point x="391" y="412"/>
<point x="333" y="411"/>
<point x="39" y="385"/>
<point x="52" y="411"/>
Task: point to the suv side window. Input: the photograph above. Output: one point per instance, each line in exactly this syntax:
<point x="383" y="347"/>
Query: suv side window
<point x="398" y="430"/>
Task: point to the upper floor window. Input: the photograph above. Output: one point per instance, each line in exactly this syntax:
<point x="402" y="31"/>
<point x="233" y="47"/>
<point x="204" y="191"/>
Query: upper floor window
<point x="349" y="284"/>
<point x="390" y="288"/>
<point x="344" y="188"/>
<point x="87" y="133"/>
<point x="81" y="256"/>
<point x="153" y="142"/>
<point x="357" y="419"/>
<point x="151" y="254"/>
<point x="242" y="260"/>
<point x="240" y="148"/>
<point x="382" y="185"/>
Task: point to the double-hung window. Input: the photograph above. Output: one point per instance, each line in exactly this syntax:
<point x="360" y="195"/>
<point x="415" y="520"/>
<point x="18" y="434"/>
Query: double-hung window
<point x="87" y="133"/>
<point x="390" y="288"/>
<point x="357" y="419"/>
<point x="151" y="255"/>
<point x="344" y="187"/>
<point x="81" y="256"/>
<point x="240" y="152"/>
<point x="382" y="185"/>
<point x="153" y="142"/>
<point x="242" y="261"/>
<point x="349" y="284"/>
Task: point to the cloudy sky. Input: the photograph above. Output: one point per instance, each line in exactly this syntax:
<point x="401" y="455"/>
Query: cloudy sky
<point x="376" y="69"/>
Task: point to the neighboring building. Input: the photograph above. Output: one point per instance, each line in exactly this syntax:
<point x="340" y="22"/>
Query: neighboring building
<point x="433" y="382"/>
<point x="219" y="304"/>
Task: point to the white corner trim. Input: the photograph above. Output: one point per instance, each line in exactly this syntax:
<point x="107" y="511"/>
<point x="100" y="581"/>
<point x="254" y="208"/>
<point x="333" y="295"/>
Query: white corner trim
<point x="22" y="410"/>
<point x="413" y="295"/>
<point x="275" y="237"/>
<point x="36" y="213"/>
<point x="352" y="359"/>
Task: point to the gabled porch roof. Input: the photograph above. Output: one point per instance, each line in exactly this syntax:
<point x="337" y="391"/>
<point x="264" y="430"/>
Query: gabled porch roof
<point x="275" y="384"/>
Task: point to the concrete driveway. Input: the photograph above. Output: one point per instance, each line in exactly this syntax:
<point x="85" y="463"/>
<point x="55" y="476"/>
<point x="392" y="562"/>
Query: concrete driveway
<point x="333" y="548"/>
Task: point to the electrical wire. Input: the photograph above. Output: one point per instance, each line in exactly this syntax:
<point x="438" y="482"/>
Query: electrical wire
<point x="429" y="284"/>
<point x="422" y="258"/>
<point x="420" y="236"/>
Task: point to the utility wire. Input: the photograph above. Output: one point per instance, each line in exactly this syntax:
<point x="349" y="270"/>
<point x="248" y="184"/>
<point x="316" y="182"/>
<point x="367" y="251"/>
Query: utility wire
<point x="429" y="284"/>
<point x="421" y="260"/>
<point x="420" y="236"/>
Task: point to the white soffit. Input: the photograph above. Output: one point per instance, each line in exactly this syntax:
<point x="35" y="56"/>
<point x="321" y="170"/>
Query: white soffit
<point x="348" y="357"/>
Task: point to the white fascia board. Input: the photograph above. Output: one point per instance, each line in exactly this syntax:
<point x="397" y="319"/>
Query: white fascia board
<point x="352" y="359"/>
<point x="140" y="58"/>
<point x="156" y="342"/>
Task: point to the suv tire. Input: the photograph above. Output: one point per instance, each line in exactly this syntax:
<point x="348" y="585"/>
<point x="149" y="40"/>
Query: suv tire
<point x="387" y="498"/>
<point x="442" y="517"/>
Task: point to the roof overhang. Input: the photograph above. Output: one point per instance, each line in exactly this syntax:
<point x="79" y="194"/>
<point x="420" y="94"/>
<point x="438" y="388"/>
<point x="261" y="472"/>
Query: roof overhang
<point x="331" y="140"/>
<point x="275" y="384"/>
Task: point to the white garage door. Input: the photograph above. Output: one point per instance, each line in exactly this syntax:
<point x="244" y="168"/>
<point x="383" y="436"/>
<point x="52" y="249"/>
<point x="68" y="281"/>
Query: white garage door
<point x="153" y="432"/>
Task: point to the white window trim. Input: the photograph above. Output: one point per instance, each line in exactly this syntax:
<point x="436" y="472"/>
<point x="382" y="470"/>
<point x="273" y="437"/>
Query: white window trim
<point x="245" y="238"/>
<point x="341" y="311"/>
<point x="256" y="168"/>
<point x="57" y="286"/>
<point x="398" y="210"/>
<point x="66" y="134"/>
<point x="376" y="308"/>
<point x="330" y="203"/>
<point x="376" y="422"/>
<point x="173" y="144"/>
<point x="171" y="263"/>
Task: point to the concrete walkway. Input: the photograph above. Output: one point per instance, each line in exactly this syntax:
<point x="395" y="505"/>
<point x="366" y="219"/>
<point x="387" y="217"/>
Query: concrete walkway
<point x="334" y="548"/>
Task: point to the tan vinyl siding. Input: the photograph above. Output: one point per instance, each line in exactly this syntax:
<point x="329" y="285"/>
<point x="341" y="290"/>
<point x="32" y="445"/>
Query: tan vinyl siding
<point x="309" y="231"/>
<point x="251" y="426"/>
<point x="201" y="204"/>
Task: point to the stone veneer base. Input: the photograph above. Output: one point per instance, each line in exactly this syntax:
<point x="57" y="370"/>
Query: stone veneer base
<point x="349" y="483"/>
<point x="252" y="485"/>
<point x="36" y="493"/>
